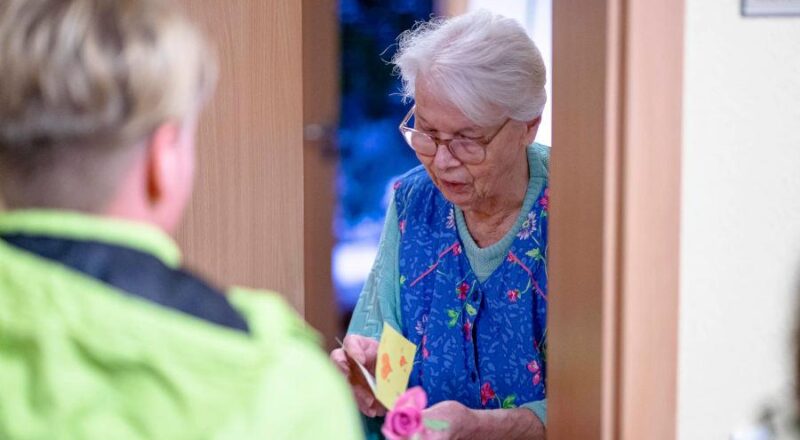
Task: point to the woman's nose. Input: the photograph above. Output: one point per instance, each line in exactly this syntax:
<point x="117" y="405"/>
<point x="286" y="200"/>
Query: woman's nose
<point x="444" y="158"/>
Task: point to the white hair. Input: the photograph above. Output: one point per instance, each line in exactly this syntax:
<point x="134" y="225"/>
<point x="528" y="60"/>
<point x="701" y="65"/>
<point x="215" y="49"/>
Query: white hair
<point x="484" y="64"/>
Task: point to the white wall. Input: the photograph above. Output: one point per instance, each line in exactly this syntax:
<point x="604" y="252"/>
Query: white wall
<point x="740" y="257"/>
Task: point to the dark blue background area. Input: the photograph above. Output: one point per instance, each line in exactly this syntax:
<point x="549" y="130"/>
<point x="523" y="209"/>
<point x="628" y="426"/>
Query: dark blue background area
<point x="372" y="150"/>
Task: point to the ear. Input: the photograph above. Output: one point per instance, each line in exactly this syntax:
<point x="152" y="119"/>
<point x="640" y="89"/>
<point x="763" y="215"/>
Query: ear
<point x="162" y="162"/>
<point x="531" y="128"/>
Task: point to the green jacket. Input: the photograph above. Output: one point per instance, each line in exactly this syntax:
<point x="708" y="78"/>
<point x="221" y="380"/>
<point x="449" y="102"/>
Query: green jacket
<point x="81" y="360"/>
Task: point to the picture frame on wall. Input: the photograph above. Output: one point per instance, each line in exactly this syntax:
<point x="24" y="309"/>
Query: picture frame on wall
<point x="771" y="8"/>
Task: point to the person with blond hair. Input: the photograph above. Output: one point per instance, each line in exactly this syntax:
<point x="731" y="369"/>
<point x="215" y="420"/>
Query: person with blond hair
<point x="102" y="334"/>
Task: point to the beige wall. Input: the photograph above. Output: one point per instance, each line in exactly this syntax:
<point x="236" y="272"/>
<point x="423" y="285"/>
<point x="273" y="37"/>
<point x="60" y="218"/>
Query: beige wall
<point x="740" y="259"/>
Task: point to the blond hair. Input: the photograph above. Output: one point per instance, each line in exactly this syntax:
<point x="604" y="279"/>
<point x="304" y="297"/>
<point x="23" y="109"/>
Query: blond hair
<point x="81" y="83"/>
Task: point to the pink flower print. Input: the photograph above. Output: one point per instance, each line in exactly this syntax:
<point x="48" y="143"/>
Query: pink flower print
<point x="510" y="258"/>
<point x="534" y="368"/>
<point x="487" y="393"/>
<point x="467" y="330"/>
<point x="457" y="249"/>
<point x="397" y="185"/>
<point x="402" y="225"/>
<point x="462" y="289"/>
<point x="425" y="352"/>
<point x="513" y="295"/>
<point x="544" y="201"/>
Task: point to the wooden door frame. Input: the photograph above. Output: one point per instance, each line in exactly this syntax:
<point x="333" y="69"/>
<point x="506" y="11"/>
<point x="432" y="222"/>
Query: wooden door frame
<point x="244" y="223"/>
<point x="262" y="212"/>
<point x="615" y="227"/>
<point x="321" y="92"/>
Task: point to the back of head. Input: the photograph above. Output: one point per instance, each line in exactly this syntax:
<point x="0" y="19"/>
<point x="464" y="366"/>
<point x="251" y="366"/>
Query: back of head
<point x="84" y="82"/>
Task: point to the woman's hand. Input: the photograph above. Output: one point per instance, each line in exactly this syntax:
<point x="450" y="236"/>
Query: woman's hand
<point x="365" y="351"/>
<point x="459" y="418"/>
<point x="469" y="424"/>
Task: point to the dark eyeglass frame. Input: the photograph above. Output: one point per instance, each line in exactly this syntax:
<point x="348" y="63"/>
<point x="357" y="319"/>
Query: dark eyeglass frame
<point x="459" y="153"/>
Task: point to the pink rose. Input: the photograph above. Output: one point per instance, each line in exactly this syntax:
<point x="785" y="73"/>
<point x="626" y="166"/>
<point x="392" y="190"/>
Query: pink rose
<point x="402" y="423"/>
<point x="413" y="397"/>
<point x="405" y="420"/>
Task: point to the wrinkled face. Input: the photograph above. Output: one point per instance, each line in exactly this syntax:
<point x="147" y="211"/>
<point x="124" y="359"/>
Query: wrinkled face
<point x="469" y="186"/>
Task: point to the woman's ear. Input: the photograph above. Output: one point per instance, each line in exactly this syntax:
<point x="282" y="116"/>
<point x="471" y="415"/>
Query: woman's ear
<point x="162" y="162"/>
<point x="531" y="128"/>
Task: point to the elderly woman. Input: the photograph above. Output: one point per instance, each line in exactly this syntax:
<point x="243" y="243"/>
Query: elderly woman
<point x="462" y="265"/>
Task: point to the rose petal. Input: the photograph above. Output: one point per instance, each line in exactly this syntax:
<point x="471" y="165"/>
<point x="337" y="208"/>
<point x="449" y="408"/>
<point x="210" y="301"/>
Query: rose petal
<point x="387" y="429"/>
<point x="407" y="422"/>
<point x="402" y="423"/>
<point x="414" y="397"/>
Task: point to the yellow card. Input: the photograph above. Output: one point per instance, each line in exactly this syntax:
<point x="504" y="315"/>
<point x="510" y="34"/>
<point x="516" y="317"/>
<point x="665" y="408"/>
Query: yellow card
<point x="393" y="368"/>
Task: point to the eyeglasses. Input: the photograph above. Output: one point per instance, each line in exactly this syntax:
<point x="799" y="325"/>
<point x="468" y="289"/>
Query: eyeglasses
<point x="469" y="151"/>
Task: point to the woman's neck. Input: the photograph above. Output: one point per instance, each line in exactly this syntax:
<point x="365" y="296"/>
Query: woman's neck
<point x="489" y="221"/>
